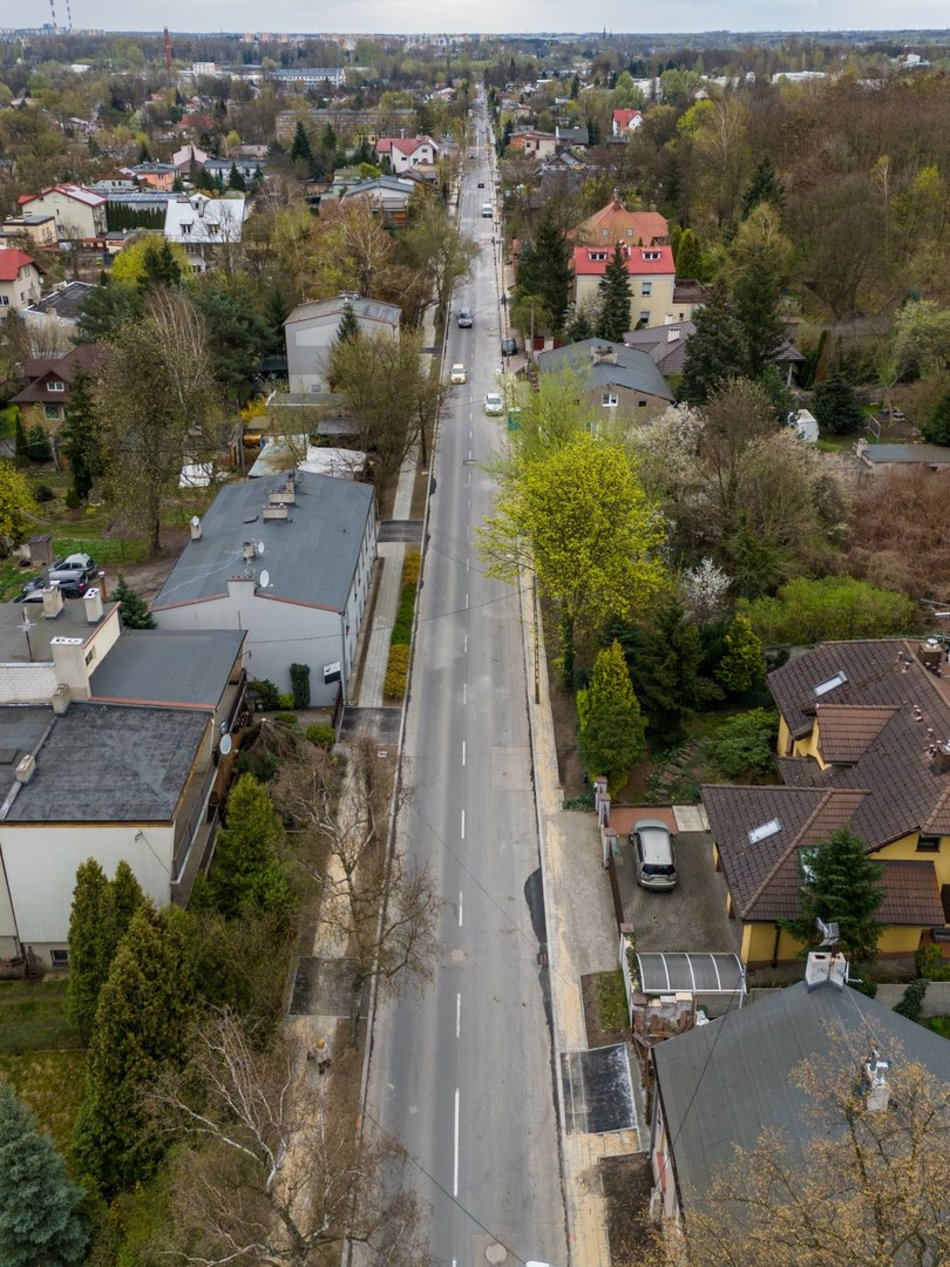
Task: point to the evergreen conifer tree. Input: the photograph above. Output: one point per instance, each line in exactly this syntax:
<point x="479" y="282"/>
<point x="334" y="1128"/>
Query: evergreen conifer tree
<point x="235" y="179"/>
<point x="349" y="327"/>
<point x="836" y="406"/>
<point x="689" y="255"/>
<point x="764" y="186"/>
<point x="579" y="327"/>
<point x="841" y="885"/>
<point x="41" y="1223"/>
<point x="715" y="352"/>
<point x="613" y="735"/>
<point x="146" y="1009"/>
<point x="742" y="665"/>
<point x="614" y="291"/>
<point x="82" y="436"/>
<point x="756" y="293"/>
<point x="247" y="870"/>
<point x="936" y="428"/>
<point x="132" y="606"/>
<point x="90" y="945"/>
<point x="549" y="273"/>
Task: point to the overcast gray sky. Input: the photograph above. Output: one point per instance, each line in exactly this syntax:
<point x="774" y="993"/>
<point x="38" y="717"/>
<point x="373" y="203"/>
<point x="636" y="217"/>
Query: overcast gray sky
<point x="496" y="15"/>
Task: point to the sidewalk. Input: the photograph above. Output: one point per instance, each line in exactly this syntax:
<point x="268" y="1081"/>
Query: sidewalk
<point x="581" y="940"/>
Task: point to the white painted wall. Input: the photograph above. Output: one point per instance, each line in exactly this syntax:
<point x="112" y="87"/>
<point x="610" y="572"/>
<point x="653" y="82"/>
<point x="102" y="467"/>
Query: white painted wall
<point x="40" y="863"/>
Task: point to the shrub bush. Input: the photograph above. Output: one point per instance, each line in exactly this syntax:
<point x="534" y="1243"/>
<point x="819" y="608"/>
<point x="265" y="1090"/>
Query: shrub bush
<point x="411" y="566"/>
<point x="931" y="964"/>
<point x="300" y="685"/>
<point x="913" y="1000"/>
<point x="744" y="745"/>
<point x="864" y="985"/>
<point x="285" y="716"/>
<point x="285" y="701"/>
<point x="321" y="736"/>
<point x="397" y="672"/>
<point x="72" y="499"/>
<point x="266" y="691"/>
<point x="43" y="493"/>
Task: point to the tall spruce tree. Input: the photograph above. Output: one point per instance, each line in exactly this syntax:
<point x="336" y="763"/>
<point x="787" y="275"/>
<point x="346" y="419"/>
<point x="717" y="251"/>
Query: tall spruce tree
<point x="132" y="606"/>
<point x="82" y="436"/>
<point x="300" y="146"/>
<point x="837" y="408"/>
<point x="146" y="1009"/>
<point x="756" y="293"/>
<point x="841" y="884"/>
<point x="936" y="428"/>
<point x="715" y="352"/>
<point x="764" y="186"/>
<point x="349" y="327"/>
<point x="614" y="292"/>
<point x="91" y="945"/>
<point x="546" y="271"/>
<point x="613" y="728"/>
<point x="41" y="1220"/>
<point x="247" y="870"/>
<point x="689" y="255"/>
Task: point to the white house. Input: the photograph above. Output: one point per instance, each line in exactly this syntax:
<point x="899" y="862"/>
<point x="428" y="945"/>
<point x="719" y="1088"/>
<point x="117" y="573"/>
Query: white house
<point x="406" y="152"/>
<point x="21" y="280"/>
<point x="310" y="332"/>
<point x="205" y="226"/>
<point x="111" y="744"/>
<point x="290" y="561"/>
<point x="625" y="122"/>
<point x="80" y="213"/>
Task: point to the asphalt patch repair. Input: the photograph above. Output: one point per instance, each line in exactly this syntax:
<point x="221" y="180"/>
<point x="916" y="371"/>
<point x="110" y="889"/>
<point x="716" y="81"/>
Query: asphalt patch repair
<point x="598" y="1091"/>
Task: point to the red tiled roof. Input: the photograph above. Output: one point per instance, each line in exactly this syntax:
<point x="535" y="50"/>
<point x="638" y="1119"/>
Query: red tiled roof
<point x="12" y="261"/>
<point x="643" y="226"/>
<point x="406" y="145"/>
<point x="622" y="117"/>
<point x="592" y="261"/>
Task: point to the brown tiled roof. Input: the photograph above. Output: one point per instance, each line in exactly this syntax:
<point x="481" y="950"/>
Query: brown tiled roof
<point x="874" y="674"/>
<point x="847" y="730"/>
<point x="85" y="357"/>
<point x="911" y="894"/>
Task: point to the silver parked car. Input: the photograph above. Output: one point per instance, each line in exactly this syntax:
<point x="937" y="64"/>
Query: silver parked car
<point x="653" y="854"/>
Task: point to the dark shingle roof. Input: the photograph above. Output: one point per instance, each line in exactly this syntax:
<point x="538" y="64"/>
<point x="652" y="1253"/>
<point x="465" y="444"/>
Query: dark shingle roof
<point x="848" y="730"/>
<point x="107" y="763"/>
<point x="634" y="369"/>
<point x="311" y="556"/>
<point x="722" y="1083"/>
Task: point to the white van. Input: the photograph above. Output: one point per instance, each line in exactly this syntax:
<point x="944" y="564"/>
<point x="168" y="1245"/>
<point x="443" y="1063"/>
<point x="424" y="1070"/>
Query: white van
<point x="487" y="210"/>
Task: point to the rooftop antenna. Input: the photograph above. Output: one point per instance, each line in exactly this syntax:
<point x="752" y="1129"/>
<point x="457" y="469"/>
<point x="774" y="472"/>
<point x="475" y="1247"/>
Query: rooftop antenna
<point x="830" y="934"/>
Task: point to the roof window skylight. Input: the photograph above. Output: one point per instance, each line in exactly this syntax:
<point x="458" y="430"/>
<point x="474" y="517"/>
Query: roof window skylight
<point x="829" y="684"/>
<point x="771" y="828"/>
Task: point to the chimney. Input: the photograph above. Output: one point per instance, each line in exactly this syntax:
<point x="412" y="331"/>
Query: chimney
<point x="824" y="967"/>
<point x="93" y="600"/>
<point x="249" y="551"/>
<point x="275" y="510"/>
<point x="52" y="601"/>
<point x="877" y="1092"/>
<point x="26" y="768"/>
<point x="940" y="762"/>
<point x="60" y="700"/>
<point x="103" y="592"/>
<point x="195" y="526"/>
<point x="69" y="665"/>
<point x="286" y="493"/>
<point x="672" y="336"/>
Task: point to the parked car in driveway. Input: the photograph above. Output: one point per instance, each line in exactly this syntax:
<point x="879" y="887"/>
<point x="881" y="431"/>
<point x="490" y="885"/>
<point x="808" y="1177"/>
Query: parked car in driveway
<point x="493" y="404"/>
<point x="73" y="567"/>
<point x="458" y="374"/>
<point x="653" y="854"/>
<point x="33" y="590"/>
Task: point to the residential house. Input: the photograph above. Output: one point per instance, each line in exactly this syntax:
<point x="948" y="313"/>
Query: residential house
<point x="92" y="765"/>
<point x="290" y="563"/>
<point x="21" y="279"/>
<point x="249" y="168"/>
<point x="665" y="345"/>
<point x="618" y="382"/>
<point x="44" y="398"/>
<point x="310" y="332"/>
<point x="311" y="76"/>
<point x="862" y="743"/>
<point x="719" y="1086"/>
<point x="690" y="295"/>
<point x="571" y="138"/>
<point x="614" y="223"/>
<point x="624" y="123"/>
<point x="39" y="231"/>
<point x="533" y="143"/>
<point x="886" y="457"/>
<point x="80" y="213"/>
<point x="652" y="279"/>
<point x="187" y="158"/>
<point x="205" y="227"/>
<point x="155" y="175"/>
<point x="54" y="319"/>
<point x="390" y="196"/>
<point x="406" y="152"/>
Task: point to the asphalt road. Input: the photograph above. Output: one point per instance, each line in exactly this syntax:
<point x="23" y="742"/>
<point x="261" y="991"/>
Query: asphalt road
<point x="462" y="1075"/>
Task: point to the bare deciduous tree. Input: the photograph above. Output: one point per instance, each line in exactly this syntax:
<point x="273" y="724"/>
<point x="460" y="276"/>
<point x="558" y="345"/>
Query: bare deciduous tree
<point x="271" y="1164"/>
<point x="380" y="903"/>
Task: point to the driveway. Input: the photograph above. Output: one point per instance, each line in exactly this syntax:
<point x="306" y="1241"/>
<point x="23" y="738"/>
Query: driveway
<point x="690" y="917"/>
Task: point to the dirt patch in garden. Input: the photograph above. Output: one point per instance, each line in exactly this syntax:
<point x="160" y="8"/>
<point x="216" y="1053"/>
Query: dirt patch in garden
<point x="597" y="1035"/>
<point x="148" y="578"/>
<point x="627" y="1183"/>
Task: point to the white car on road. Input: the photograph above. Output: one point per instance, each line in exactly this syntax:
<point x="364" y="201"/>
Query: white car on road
<point x="458" y="374"/>
<point x="494" y="404"/>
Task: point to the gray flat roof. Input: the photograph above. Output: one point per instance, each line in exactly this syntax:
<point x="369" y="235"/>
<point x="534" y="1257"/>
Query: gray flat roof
<point x="311" y="556"/>
<point x="167" y="666"/>
<point x="927" y="453"/>
<point x="70" y="623"/>
<point x="721" y="1083"/>
<point x="369" y="309"/>
<point x="109" y="763"/>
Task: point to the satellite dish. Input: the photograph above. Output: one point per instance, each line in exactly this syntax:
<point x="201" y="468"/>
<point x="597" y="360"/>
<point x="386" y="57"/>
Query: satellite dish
<point x="264" y="579"/>
<point x="226" y="745"/>
<point x="260" y="547"/>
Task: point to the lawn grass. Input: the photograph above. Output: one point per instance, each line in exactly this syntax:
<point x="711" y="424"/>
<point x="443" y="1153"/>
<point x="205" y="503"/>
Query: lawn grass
<point x="940" y="1025"/>
<point x="612" y="1002"/>
<point x="33" y="1017"/>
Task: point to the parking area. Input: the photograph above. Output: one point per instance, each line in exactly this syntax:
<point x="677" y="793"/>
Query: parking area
<point x="691" y="917"/>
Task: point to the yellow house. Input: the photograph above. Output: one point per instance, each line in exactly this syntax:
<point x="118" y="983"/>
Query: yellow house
<point x="863" y="742"/>
<point x="652" y="275"/>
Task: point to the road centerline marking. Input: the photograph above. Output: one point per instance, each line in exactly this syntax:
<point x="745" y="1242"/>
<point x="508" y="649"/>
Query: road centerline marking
<point x="455" y="1175"/>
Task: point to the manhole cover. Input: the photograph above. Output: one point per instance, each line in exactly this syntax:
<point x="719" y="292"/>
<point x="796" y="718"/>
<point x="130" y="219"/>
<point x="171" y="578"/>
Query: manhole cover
<point x="496" y="1254"/>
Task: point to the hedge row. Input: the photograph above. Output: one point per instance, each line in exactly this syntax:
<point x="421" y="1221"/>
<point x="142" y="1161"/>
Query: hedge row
<point x="397" y="672"/>
<point x="401" y="635"/>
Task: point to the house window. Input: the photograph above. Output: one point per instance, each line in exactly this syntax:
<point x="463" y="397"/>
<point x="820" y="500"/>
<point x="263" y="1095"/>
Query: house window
<point x="645" y="316"/>
<point x="54" y="385"/>
<point x="928" y="844"/>
<point x="52" y="413"/>
<point x="651" y="255"/>
<point x="59" y="958"/>
<point x="764" y="830"/>
<point x="829" y="684"/>
<point x="641" y="404"/>
<point x="609" y="400"/>
<point x="4" y="301"/>
<point x="605" y="233"/>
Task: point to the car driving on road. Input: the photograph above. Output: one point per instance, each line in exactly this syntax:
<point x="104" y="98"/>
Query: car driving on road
<point x="493" y="404"/>
<point x="465" y="319"/>
<point x="457" y="374"/>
